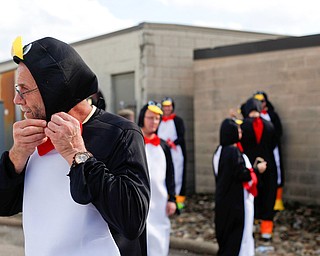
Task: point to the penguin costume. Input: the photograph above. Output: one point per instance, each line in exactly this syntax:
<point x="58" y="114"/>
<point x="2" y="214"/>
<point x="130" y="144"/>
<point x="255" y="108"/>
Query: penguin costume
<point x="162" y="184"/>
<point x="172" y="130"/>
<point x="231" y="173"/>
<point x="269" y="114"/>
<point x="98" y="207"/>
<point x="259" y="140"/>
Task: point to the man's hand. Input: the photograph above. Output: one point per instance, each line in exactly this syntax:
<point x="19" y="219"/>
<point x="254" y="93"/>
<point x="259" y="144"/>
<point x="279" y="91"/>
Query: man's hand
<point x="171" y="144"/>
<point x="27" y="135"/>
<point x="262" y="166"/>
<point x="171" y="208"/>
<point x="65" y="134"/>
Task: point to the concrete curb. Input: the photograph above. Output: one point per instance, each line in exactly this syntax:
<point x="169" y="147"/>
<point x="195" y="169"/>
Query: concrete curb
<point x="199" y="247"/>
<point x="15" y="221"/>
<point x="195" y="246"/>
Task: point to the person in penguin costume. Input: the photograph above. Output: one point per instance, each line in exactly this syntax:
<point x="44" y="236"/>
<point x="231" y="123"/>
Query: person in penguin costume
<point x="163" y="203"/>
<point x="236" y="182"/>
<point x="268" y="113"/>
<point x="172" y="130"/>
<point x="78" y="174"/>
<point x="259" y="140"/>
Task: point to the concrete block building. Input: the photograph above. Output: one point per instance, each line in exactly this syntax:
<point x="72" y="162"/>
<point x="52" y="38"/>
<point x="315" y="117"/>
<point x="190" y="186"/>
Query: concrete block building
<point x="144" y="62"/>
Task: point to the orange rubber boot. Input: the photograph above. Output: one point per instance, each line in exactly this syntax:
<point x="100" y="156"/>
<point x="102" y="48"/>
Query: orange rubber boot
<point x="266" y="229"/>
<point x="278" y="205"/>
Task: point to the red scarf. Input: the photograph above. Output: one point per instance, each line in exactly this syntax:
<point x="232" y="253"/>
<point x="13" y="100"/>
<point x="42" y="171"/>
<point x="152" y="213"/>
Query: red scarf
<point x="167" y="118"/>
<point x="264" y="111"/>
<point x="258" y="128"/>
<point x="154" y="140"/>
<point x="252" y="189"/>
<point x="47" y="146"/>
<point x="239" y="146"/>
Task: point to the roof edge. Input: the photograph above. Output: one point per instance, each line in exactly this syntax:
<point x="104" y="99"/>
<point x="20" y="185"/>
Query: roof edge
<point x="285" y="43"/>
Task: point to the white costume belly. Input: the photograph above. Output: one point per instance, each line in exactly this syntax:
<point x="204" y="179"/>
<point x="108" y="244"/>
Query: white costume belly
<point x="53" y="223"/>
<point x="167" y="130"/>
<point x="276" y="152"/>
<point x="158" y="223"/>
<point x="247" y="243"/>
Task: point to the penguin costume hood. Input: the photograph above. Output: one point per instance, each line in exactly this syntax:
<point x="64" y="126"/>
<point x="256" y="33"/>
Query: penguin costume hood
<point x="252" y="104"/>
<point x="152" y="106"/>
<point x="228" y="132"/>
<point x="264" y="95"/>
<point x="61" y="75"/>
<point x="167" y="101"/>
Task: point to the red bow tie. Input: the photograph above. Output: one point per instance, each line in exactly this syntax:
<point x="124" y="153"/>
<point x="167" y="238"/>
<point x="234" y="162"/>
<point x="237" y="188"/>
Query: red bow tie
<point x="47" y="146"/>
<point x="167" y="118"/>
<point x="155" y="140"/>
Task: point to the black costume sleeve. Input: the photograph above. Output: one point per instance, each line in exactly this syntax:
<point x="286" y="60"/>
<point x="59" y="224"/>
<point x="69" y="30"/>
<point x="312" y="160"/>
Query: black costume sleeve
<point x="11" y="187"/>
<point x="243" y="173"/>
<point x="121" y="190"/>
<point x="170" y="184"/>
<point x="275" y="119"/>
<point x="180" y="130"/>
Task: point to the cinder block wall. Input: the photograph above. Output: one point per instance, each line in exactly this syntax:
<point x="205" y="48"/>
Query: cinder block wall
<point x="161" y="56"/>
<point x="291" y="79"/>
<point x="166" y="67"/>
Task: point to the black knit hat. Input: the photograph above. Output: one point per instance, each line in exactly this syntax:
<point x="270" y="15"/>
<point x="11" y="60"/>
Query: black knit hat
<point x="62" y="77"/>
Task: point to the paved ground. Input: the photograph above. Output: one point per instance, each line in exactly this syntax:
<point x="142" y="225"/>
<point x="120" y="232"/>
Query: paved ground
<point x="11" y="243"/>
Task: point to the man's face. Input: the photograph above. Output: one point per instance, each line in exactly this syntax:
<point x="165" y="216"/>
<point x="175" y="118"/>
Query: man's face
<point x="151" y="122"/>
<point x="167" y="110"/>
<point x="263" y="104"/>
<point x="30" y="102"/>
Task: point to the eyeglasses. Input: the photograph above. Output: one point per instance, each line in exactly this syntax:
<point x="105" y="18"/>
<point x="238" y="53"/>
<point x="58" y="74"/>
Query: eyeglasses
<point x="18" y="88"/>
<point x="153" y="103"/>
<point x="153" y="118"/>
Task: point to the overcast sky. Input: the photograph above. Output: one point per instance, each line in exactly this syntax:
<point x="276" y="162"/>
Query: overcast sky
<point x="75" y="20"/>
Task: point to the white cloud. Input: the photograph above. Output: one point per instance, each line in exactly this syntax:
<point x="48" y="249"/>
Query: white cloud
<point x="74" y="20"/>
<point x="67" y="20"/>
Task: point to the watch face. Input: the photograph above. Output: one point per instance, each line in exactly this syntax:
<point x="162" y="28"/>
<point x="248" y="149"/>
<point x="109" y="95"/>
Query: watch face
<point x="81" y="158"/>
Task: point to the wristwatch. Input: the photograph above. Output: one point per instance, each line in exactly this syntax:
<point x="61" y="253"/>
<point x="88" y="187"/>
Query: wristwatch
<point x="81" y="157"/>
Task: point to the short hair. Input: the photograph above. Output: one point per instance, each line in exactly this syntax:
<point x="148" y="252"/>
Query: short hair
<point x="126" y="113"/>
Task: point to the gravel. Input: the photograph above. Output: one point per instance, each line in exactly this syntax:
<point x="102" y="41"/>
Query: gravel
<point x="296" y="229"/>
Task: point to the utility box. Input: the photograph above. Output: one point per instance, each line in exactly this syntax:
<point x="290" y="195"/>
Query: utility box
<point x="2" y="145"/>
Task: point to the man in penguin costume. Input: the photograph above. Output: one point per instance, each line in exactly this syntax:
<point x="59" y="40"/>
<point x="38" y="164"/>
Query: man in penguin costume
<point x="78" y="173"/>
<point x="162" y="203"/>
<point x="268" y="113"/>
<point x="172" y="130"/>
<point x="259" y="140"/>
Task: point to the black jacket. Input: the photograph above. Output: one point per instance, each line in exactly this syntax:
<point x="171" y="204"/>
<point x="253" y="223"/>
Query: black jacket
<point x="115" y="181"/>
